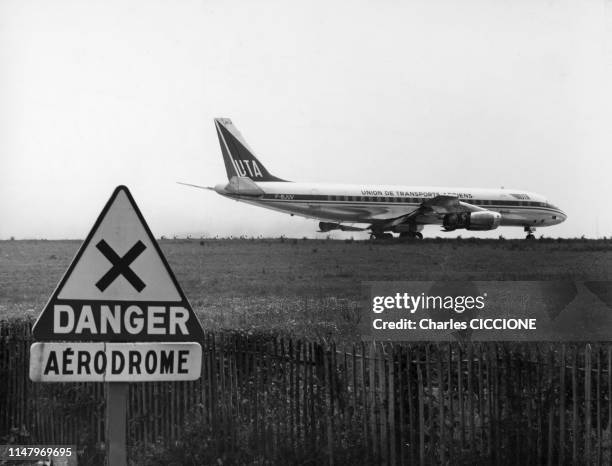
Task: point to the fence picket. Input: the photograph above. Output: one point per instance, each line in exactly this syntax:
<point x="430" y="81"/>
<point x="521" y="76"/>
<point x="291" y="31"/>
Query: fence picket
<point x="364" y="400"/>
<point x="392" y="409"/>
<point x="412" y="413"/>
<point x="401" y="369"/>
<point x="382" y="406"/>
<point x="442" y="447"/>
<point x="562" y="395"/>
<point x="550" y="408"/>
<point x="575" y="403"/>
<point x="470" y="393"/>
<point x="329" y="409"/>
<point x="372" y="402"/>
<point x="587" y="404"/>
<point x="599" y="408"/>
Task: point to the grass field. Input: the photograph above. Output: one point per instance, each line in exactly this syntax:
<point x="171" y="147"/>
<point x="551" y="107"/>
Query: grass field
<point x="305" y="287"/>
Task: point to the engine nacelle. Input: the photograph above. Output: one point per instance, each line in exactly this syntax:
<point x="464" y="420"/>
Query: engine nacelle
<point x="482" y="220"/>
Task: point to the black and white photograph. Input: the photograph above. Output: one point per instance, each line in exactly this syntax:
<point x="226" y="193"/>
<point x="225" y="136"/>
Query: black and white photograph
<point x="305" y="233"/>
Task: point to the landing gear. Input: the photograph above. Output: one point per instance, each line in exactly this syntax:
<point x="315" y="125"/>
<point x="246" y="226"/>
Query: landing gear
<point x="381" y="235"/>
<point x="529" y="231"/>
<point x="411" y="235"/>
<point x="406" y="231"/>
<point x="409" y="230"/>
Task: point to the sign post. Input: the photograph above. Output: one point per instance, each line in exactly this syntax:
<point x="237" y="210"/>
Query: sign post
<point x="117" y="316"/>
<point x="116" y="429"/>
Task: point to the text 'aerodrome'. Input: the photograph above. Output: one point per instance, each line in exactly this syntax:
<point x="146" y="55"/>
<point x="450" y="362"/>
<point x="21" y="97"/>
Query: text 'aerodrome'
<point x="108" y="362"/>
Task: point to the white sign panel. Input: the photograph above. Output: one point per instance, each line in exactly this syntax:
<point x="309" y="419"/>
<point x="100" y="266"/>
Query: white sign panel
<point x="114" y="362"/>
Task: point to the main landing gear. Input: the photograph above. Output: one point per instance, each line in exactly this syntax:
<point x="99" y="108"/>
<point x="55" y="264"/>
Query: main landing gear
<point x="403" y="235"/>
<point x="411" y="235"/>
<point x="380" y="235"/>
<point x="529" y="231"/>
<point x="406" y="231"/>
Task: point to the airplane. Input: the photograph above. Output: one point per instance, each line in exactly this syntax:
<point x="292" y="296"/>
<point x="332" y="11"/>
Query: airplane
<point x="382" y="210"/>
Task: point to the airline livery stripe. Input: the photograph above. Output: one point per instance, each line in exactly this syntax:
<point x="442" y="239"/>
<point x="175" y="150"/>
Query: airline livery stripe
<point x="304" y="199"/>
<point x="322" y="197"/>
<point x="407" y="204"/>
<point x="500" y="204"/>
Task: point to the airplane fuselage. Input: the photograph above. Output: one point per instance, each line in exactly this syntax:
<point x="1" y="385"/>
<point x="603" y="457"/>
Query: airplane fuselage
<point x="370" y="204"/>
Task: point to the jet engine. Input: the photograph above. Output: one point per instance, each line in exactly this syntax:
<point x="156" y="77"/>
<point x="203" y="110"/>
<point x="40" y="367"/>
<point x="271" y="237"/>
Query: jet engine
<point x="481" y="220"/>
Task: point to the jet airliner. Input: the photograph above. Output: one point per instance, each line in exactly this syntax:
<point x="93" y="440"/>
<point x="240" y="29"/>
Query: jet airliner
<point x="381" y="210"/>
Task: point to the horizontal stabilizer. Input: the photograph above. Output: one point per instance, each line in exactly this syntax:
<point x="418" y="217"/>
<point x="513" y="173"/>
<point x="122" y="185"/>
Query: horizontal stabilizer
<point x="196" y="186"/>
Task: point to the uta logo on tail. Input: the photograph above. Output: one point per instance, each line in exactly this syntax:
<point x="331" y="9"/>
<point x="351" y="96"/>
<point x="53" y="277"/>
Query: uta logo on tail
<point x="247" y="168"/>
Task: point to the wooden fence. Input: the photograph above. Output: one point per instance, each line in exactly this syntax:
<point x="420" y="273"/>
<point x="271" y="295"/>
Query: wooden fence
<point x="264" y="399"/>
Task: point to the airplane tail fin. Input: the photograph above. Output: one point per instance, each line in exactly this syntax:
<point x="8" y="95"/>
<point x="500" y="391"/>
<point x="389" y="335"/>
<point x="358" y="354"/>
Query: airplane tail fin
<point x="238" y="157"/>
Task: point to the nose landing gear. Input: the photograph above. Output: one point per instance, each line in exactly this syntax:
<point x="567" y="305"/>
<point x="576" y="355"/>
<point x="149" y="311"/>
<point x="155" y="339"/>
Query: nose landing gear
<point x="529" y="230"/>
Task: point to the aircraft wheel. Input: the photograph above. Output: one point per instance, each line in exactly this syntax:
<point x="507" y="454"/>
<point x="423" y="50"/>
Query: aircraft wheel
<point x="530" y="236"/>
<point x="418" y="235"/>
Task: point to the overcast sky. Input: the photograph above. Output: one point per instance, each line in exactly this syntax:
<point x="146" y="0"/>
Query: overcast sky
<point x="479" y="93"/>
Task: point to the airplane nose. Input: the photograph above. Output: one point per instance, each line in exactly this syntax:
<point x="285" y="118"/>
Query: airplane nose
<point x="561" y="217"/>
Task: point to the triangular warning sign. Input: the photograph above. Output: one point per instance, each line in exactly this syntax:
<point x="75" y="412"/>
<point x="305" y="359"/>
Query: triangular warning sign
<point x="119" y="287"/>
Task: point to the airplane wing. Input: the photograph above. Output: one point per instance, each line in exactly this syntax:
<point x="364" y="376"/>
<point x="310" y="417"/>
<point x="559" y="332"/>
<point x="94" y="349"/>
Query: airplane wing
<point x="435" y="207"/>
<point x="448" y="205"/>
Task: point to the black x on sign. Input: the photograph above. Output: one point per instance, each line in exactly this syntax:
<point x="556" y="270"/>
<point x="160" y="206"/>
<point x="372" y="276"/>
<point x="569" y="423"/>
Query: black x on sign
<point x="121" y="266"/>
